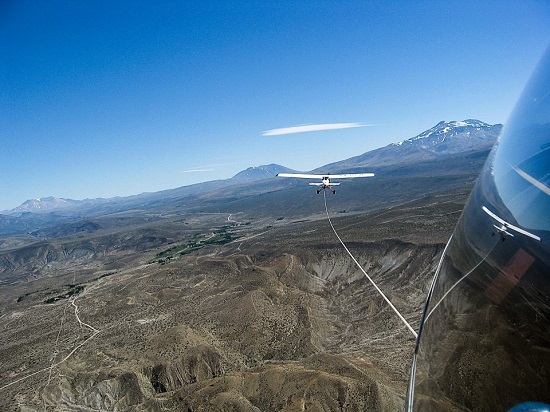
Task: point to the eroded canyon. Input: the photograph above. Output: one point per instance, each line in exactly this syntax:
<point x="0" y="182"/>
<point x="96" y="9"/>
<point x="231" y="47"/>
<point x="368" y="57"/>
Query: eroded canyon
<point x="226" y="313"/>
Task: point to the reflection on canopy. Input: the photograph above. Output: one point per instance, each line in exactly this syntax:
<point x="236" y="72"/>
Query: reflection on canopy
<point x="484" y="340"/>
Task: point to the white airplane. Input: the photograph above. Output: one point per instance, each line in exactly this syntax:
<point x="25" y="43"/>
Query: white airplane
<point x="502" y="230"/>
<point x="325" y="179"/>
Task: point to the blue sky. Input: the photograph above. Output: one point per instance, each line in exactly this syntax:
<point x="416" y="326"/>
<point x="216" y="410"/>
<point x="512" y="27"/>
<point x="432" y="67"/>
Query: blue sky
<point x="103" y="99"/>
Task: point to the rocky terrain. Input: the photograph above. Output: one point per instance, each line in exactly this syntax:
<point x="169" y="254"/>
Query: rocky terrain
<point x="279" y="318"/>
<point x="236" y="299"/>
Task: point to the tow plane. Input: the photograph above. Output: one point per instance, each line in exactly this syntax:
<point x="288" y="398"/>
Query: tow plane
<point x="325" y="179"/>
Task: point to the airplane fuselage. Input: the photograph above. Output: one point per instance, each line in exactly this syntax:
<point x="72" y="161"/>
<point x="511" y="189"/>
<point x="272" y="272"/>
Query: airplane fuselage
<point x="325" y="179"/>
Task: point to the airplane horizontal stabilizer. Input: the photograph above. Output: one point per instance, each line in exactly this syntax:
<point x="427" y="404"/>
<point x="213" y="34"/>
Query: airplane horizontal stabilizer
<point x="321" y="184"/>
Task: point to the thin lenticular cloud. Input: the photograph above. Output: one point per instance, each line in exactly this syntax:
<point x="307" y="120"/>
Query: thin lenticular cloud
<point x="197" y="170"/>
<point x="311" y="128"/>
<point x="210" y="167"/>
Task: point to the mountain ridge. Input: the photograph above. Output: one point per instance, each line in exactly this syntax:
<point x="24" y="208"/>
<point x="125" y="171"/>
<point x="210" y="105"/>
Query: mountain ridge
<point x="45" y="203"/>
<point x="260" y="172"/>
<point x="443" y="139"/>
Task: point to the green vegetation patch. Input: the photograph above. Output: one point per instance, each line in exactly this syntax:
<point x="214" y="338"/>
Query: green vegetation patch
<point x="60" y="292"/>
<point x="73" y="290"/>
<point x="219" y="236"/>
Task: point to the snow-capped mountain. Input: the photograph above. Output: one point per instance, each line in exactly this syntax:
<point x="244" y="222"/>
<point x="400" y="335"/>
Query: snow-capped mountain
<point x="445" y="138"/>
<point x="454" y="137"/>
<point x="45" y="204"/>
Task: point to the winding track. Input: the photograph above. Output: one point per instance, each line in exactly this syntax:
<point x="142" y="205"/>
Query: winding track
<point x="49" y="369"/>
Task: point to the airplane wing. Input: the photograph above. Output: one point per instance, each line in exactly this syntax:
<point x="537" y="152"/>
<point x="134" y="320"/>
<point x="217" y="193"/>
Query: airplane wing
<point x="351" y="175"/>
<point x="300" y="175"/>
<point x="318" y="176"/>
<point x="509" y="225"/>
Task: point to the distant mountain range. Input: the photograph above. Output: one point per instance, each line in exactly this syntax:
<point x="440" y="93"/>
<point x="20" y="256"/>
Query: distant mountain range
<point x="49" y="204"/>
<point x="444" y="140"/>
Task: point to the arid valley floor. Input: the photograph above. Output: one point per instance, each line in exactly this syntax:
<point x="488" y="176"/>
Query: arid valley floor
<point x="221" y="311"/>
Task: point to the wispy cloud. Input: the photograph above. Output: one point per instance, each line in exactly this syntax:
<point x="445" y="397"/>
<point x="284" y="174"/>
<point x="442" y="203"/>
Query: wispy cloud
<point x="211" y="167"/>
<point x="312" y="128"/>
<point x="197" y="170"/>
